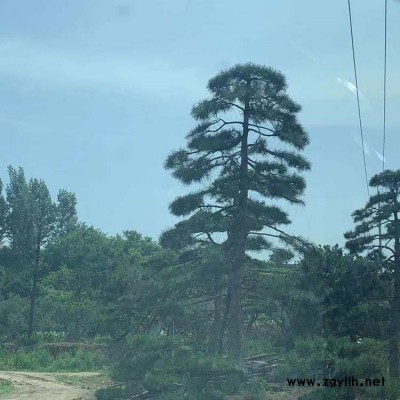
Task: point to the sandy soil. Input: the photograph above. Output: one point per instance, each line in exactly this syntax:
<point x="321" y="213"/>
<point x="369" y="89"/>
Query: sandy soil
<point x="45" y="386"/>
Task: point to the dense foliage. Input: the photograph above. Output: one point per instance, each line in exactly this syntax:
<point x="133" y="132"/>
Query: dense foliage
<point x="243" y="152"/>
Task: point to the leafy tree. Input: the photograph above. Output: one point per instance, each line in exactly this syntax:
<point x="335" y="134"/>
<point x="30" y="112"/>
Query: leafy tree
<point x="19" y="221"/>
<point x="377" y="232"/>
<point x="244" y="151"/>
<point x="32" y="219"/>
<point x="97" y="284"/>
<point x="78" y="265"/>
<point x="3" y="213"/>
<point x="346" y="295"/>
<point x="67" y="217"/>
<point x="43" y="222"/>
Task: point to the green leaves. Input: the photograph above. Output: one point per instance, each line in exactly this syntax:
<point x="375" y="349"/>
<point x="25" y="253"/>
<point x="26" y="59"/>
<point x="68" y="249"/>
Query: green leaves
<point x="3" y="213"/>
<point x="223" y="140"/>
<point x="30" y="214"/>
<point x="288" y="187"/>
<point x="258" y="243"/>
<point x="211" y="108"/>
<point x="43" y="210"/>
<point x="380" y="212"/>
<point x="387" y="179"/>
<point x="248" y="79"/>
<point x="216" y="147"/>
<point x="67" y="218"/>
<point x="185" y="205"/>
<point x="189" y="170"/>
<point x="177" y="238"/>
<point x="30" y="219"/>
<point x="19" y="219"/>
<point x="236" y="161"/>
<point x="267" y="215"/>
<point x="348" y="290"/>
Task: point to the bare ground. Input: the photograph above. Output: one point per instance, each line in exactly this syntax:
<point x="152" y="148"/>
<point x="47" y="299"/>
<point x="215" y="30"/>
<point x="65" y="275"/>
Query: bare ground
<point x="47" y="386"/>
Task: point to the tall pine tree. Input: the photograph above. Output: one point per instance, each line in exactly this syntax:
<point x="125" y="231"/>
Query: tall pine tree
<point x="377" y="232"/>
<point x="243" y="152"/>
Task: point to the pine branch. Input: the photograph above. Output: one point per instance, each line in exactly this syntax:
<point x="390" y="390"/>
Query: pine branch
<point x="262" y="134"/>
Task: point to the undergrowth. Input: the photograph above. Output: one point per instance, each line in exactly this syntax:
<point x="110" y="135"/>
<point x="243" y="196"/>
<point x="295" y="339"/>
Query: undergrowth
<point x="41" y="360"/>
<point x="5" y="386"/>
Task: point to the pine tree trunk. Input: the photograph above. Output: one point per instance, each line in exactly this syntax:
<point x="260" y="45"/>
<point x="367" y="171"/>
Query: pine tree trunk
<point x="35" y="278"/>
<point x="235" y="310"/>
<point x="224" y="321"/>
<point x="216" y="328"/>
<point x="238" y="244"/>
<point x="395" y="318"/>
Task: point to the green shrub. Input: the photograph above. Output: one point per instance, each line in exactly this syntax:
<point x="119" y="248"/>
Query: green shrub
<point x="337" y="358"/>
<point x="168" y="367"/>
<point x="254" y="347"/>
<point x="34" y="360"/>
<point x="40" y="359"/>
<point x="5" y="386"/>
<point x="257" y="387"/>
<point x="392" y="388"/>
<point x="306" y="360"/>
<point x="13" y="314"/>
<point x="109" y="393"/>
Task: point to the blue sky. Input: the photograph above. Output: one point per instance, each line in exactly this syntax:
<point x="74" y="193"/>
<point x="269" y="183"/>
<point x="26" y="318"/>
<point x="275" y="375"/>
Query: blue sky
<point x="96" y="93"/>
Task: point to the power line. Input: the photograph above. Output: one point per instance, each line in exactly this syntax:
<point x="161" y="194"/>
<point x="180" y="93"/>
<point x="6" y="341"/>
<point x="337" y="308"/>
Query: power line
<point x="358" y="97"/>
<point x="384" y="115"/>
<point x="384" y="92"/>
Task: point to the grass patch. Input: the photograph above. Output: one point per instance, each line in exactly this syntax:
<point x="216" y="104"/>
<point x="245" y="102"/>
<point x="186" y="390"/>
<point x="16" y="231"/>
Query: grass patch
<point x="41" y="360"/>
<point x="5" y="387"/>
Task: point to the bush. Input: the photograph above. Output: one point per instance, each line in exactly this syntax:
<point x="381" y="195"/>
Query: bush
<point x="168" y="368"/>
<point x="5" y="386"/>
<point x="337" y="358"/>
<point x="306" y="360"/>
<point x="109" y="393"/>
<point x="254" y="347"/>
<point x="257" y="387"/>
<point x="13" y="314"/>
<point x="392" y="389"/>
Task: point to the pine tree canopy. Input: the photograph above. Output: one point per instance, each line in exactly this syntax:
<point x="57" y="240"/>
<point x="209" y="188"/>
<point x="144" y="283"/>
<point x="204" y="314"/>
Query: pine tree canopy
<point x="381" y="210"/>
<point x="247" y="134"/>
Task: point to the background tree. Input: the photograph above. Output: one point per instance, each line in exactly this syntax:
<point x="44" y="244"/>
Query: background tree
<point x="43" y="223"/>
<point x="346" y="295"/>
<point x="3" y="214"/>
<point x="243" y="151"/>
<point x="382" y="212"/>
<point x="67" y="217"/>
<point x="32" y="220"/>
<point x="77" y="268"/>
<point x="19" y="226"/>
<point x="97" y="284"/>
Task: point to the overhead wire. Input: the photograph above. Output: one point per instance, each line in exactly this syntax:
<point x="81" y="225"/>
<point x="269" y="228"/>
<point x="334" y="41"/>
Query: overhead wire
<point x="384" y="91"/>
<point x="358" y="97"/>
<point x="384" y="112"/>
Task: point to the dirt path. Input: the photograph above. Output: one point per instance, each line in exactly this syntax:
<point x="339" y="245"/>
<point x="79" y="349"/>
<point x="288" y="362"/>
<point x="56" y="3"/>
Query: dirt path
<point x="46" y="386"/>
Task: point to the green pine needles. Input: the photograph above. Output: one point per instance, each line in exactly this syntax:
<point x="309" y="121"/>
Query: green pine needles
<point x="377" y="232"/>
<point x="243" y="155"/>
